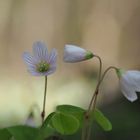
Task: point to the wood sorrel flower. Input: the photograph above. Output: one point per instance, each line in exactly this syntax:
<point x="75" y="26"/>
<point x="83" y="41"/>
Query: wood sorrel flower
<point x="74" y="54"/>
<point x="129" y="83"/>
<point x="41" y="63"/>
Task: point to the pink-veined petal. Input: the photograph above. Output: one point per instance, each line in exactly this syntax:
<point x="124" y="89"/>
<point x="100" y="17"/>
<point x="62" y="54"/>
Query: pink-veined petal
<point x="52" y="56"/>
<point x="40" y="50"/>
<point x="28" y="59"/>
<point x="41" y="59"/>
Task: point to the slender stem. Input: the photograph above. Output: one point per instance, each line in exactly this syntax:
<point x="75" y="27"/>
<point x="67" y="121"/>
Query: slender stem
<point x="99" y="78"/>
<point x="86" y="118"/>
<point x="100" y="67"/>
<point x="87" y="124"/>
<point x="105" y="72"/>
<point x="93" y="108"/>
<point x="99" y="83"/>
<point x="44" y="100"/>
<point x="94" y="98"/>
<point x="84" y="128"/>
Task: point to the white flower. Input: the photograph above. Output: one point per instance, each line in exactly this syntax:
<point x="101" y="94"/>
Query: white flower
<point x="74" y="54"/>
<point x="41" y="63"/>
<point x="129" y="83"/>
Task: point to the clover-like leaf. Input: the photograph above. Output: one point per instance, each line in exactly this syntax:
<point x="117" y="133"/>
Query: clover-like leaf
<point x="99" y="117"/>
<point x="46" y="129"/>
<point x="72" y="110"/>
<point x="45" y="133"/>
<point x="65" y="124"/>
<point x="5" y="134"/>
<point x="47" y="121"/>
<point x="23" y="132"/>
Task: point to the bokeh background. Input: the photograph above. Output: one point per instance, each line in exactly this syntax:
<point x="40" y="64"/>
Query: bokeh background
<point x="109" y="28"/>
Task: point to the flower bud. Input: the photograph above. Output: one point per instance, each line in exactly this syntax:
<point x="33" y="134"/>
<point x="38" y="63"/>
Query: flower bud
<point x="74" y="54"/>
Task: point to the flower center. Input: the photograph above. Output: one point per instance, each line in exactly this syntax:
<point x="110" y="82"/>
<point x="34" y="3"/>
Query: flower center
<point x="43" y="66"/>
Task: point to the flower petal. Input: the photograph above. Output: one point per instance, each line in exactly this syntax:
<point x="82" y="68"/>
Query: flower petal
<point x="34" y="73"/>
<point x="127" y="88"/>
<point x="28" y="59"/>
<point x="40" y="50"/>
<point x="74" y="54"/>
<point x="129" y="93"/>
<point x="50" y="71"/>
<point x="52" y="56"/>
<point x="134" y="76"/>
<point x="40" y="56"/>
<point x="53" y="68"/>
<point x="32" y="70"/>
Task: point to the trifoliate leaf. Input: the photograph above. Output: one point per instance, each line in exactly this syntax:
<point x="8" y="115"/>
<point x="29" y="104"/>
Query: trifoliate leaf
<point x="47" y="121"/>
<point x="99" y="117"/>
<point x="65" y="124"/>
<point x="46" y="130"/>
<point x="4" y="134"/>
<point x="44" y="133"/>
<point x="23" y="132"/>
<point x="72" y="110"/>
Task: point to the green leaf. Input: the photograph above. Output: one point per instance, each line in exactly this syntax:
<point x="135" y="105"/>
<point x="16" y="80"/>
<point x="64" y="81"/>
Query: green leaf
<point x="45" y="133"/>
<point x="47" y="121"/>
<point x="23" y="132"/>
<point x="46" y="130"/>
<point x="65" y="124"/>
<point x="102" y="120"/>
<point x="72" y="110"/>
<point x="4" y="134"/>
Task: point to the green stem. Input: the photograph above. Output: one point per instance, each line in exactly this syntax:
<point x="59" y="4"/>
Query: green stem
<point x="44" y="100"/>
<point x="99" y="78"/>
<point x="94" y="100"/>
<point x="98" y="85"/>
<point x="94" y="106"/>
<point x="100" y="67"/>
<point x="86" y="118"/>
